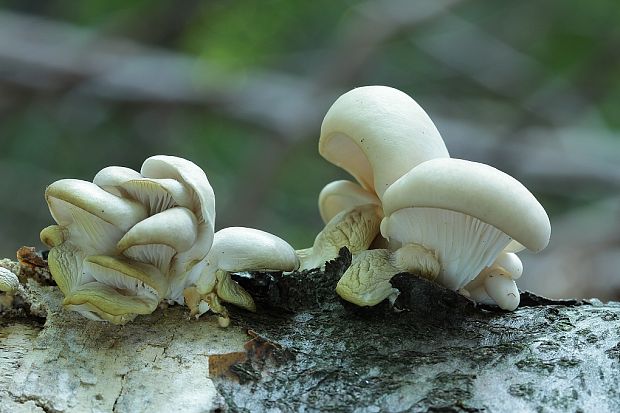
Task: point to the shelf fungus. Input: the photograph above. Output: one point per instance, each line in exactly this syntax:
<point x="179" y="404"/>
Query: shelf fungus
<point x="236" y="249"/>
<point x="129" y="240"/>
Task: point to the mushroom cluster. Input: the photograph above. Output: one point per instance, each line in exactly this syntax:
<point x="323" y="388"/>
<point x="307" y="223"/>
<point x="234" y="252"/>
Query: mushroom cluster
<point x="129" y="240"/>
<point x="456" y="222"/>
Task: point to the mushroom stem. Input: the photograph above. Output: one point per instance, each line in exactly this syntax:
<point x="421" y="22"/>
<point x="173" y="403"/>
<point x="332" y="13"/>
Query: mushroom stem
<point x="503" y="290"/>
<point x="367" y="281"/>
<point x="353" y="228"/>
<point x="231" y="292"/>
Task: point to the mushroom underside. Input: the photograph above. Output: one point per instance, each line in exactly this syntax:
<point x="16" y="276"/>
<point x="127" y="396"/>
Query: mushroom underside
<point x="464" y="244"/>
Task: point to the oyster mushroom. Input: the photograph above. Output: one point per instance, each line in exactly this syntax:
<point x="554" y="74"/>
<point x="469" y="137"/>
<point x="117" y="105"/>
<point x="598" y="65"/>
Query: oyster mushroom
<point x="130" y="240"/>
<point x="338" y="196"/>
<point x="496" y="284"/>
<point x="377" y="134"/>
<point x="237" y="249"/>
<point x="352" y="216"/>
<point x="466" y="213"/>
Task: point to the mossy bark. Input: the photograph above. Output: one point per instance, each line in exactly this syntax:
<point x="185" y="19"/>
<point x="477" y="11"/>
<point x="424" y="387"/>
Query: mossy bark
<point x="306" y="351"/>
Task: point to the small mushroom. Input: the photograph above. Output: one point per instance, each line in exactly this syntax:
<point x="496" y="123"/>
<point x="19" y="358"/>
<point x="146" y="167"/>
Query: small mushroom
<point x="8" y="281"/>
<point x="367" y="280"/>
<point x="377" y="134"/>
<point x="465" y="213"/>
<point x="354" y="228"/>
<point x="120" y="290"/>
<point x="496" y="284"/>
<point x="341" y="195"/>
<point x="158" y="238"/>
<point x="237" y="249"/>
<point x="90" y="216"/>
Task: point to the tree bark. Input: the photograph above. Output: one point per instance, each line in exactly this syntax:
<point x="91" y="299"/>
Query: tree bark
<point x="305" y="350"/>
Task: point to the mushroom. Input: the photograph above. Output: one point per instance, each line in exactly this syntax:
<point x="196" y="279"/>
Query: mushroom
<point x="465" y="213"/>
<point x="352" y="216"/>
<point x="129" y="240"/>
<point x="121" y="289"/>
<point x="237" y="249"/>
<point x="377" y="134"/>
<point x="367" y="280"/>
<point x="90" y="221"/>
<point x="496" y="283"/>
<point x="338" y="196"/>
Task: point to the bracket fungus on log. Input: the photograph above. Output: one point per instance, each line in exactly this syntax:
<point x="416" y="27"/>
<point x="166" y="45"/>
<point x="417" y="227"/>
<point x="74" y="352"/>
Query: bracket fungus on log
<point x="453" y="221"/>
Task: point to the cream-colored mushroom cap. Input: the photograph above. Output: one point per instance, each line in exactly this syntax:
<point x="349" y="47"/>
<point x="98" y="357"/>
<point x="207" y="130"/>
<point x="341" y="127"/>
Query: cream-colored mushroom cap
<point x="188" y="173"/>
<point x="341" y="195"/>
<point x="466" y="212"/>
<point x="193" y="177"/>
<point x="158" y="238"/>
<point x="89" y="216"/>
<point x="377" y="134"/>
<point x="249" y="249"/>
<point x="122" y="213"/>
<point x="477" y="190"/>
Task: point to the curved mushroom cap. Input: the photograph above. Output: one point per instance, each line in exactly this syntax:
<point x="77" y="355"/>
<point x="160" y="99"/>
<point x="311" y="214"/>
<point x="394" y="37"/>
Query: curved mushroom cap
<point x="60" y="195"/>
<point x="190" y="174"/>
<point x="248" y="249"/>
<point x="89" y="216"/>
<point x="338" y="196"/>
<point x="377" y="134"/>
<point x="111" y="178"/>
<point x="474" y="189"/>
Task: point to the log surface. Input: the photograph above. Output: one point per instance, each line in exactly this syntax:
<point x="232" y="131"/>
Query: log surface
<point x="305" y="350"/>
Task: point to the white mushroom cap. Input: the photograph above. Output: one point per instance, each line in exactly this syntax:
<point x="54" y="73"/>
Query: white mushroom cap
<point x="511" y="263"/>
<point x="94" y="218"/>
<point x="247" y="249"/>
<point x="377" y="134"/>
<point x="188" y="173"/>
<point x="477" y="190"/>
<point x="9" y="282"/>
<point x="341" y="195"/>
<point x="466" y="211"/>
<point x="112" y="177"/>
<point x="122" y="213"/>
<point x="237" y="249"/>
<point x="126" y="275"/>
<point x="203" y="205"/>
<point x="121" y="289"/>
<point x="156" y="194"/>
<point x="158" y="238"/>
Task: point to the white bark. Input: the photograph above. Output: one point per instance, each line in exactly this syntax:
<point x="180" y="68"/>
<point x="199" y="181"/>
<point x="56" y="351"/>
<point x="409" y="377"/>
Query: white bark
<point x="156" y="363"/>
